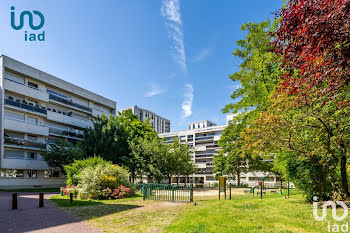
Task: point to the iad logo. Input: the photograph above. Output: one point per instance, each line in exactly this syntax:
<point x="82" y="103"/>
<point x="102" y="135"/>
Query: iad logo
<point x="31" y="36"/>
<point x="335" y="227"/>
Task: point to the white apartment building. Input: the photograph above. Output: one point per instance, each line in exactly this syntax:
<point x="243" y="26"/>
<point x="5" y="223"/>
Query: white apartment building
<point x="36" y="108"/>
<point x="204" y="137"/>
<point x="159" y="124"/>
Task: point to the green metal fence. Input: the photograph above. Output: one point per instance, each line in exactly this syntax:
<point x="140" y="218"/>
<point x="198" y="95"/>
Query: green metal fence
<point x="168" y="192"/>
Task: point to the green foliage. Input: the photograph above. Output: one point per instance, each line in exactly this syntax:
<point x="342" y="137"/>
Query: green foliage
<point x="111" y="138"/>
<point x="152" y="157"/>
<point x="61" y="153"/>
<point x="72" y="170"/>
<point x="94" y="182"/>
<point x="180" y="156"/>
<point x="157" y="159"/>
<point x="259" y="71"/>
<point x="234" y="159"/>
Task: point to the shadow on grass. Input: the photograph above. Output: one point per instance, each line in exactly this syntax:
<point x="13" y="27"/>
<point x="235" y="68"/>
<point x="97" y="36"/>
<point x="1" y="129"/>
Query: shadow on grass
<point x="88" y="209"/>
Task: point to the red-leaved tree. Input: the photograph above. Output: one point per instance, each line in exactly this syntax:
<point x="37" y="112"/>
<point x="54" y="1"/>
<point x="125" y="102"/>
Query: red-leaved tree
<point x="313" y="39"/>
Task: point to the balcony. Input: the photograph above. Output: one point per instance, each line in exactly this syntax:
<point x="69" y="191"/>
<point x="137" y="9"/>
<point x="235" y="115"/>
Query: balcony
<point x="23" y="143"/>
<point x="22" y="126"/>
<point x="68" y="120"/>
<point x="24" y="105"/>
<point x="69" y="103"/>
<point x="26" y="90"/>
<point x="204" y="138"/>
<point x="77" y="134"/>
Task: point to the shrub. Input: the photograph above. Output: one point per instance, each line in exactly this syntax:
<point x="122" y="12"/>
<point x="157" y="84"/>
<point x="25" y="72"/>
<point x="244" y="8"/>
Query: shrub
<point x="71" y="189"/>
<point x="103" y="182"/>
<point x="77" y="166"/>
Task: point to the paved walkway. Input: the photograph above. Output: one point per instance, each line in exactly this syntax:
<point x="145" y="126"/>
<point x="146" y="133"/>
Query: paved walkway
<point x="29" y="218"/>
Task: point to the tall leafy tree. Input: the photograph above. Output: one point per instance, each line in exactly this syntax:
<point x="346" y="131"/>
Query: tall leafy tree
<point x="62" y="152"/>
<point x="181" y="154"/>
<point x="111" y="137"/>
<point x="259" y="71"/>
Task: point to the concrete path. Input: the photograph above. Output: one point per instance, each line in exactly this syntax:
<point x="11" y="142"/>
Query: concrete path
<point x="29" y="218"/>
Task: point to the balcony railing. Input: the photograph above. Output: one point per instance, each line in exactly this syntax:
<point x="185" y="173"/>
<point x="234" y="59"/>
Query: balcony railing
<point x="204" y="172"/>
<point x="68" y="102"/>
<point x="204" y="138"/>
<point x="24" y="143"/>
<point x="25" y="106"/>
<point x="64" y="132"/>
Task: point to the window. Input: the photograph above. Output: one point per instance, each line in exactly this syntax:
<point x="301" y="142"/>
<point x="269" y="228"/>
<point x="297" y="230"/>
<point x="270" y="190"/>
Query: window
<point x="253" y="178"/>
<point x="32" y="155"/>
<point x="14" y="78"/>
<point x="33" y="85"/>
<point x="32" y="120"/>
<point x="32" y="173"/>
<point x="32" y="138"/>
<point x="13" y="115"/>
<point x="14" y="154"/>
<point x="50" y="174"/>
<point x="15" y="135"/>
<point x="12" y="173"/>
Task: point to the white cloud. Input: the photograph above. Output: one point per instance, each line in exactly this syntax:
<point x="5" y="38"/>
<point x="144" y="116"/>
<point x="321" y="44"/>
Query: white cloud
<point x="155" y="90"/>
<point x="187" y="102"/>
<point x="170" y="10"/>
<point x="202" y="54"/>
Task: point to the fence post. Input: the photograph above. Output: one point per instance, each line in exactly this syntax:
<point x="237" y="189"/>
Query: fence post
<point x="191" y="193"/>
<point x="41" y="200"/>
<point x="172" y="187"/>
<point x="230" y="190"/>
<point x="143" y="188"/>
<point x="70" y="197"/>
<point x="14" y="201"/>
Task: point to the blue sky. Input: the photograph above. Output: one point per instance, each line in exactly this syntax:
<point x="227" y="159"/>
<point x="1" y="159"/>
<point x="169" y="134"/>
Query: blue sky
<point x="172" y="57"/>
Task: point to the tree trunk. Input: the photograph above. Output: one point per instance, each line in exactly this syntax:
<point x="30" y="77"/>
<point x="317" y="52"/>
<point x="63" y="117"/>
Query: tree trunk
<point x="344" y="178"/>
<point x="177" y="180"/>
<point x="169" y="177"/>
<point x="133" y="175"/>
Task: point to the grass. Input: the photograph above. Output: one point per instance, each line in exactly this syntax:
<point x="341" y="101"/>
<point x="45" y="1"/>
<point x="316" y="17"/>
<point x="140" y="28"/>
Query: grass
<point x="33" y="190"/>
<point x="241" y="214"/>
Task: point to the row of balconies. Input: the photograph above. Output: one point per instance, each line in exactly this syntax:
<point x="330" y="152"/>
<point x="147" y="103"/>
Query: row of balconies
<point x="52" y="114"/>
<point x="38" y="129"/>
<point x="42" y="95"/>
<point x="24" y="105"/>
<point x="24" y="143"/>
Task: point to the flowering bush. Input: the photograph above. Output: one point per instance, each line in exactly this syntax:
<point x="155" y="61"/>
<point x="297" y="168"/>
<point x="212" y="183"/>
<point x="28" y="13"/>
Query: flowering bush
<point x="120" y="192"/>
<point x="104" y="182"/>
<point x="71" y="189"/>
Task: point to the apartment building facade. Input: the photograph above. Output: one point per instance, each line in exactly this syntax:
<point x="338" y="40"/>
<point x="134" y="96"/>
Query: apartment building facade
<point x="158" y="123"/>
<point x="204" y="140"/>
<point x="36" y="109"/>
<point x="203" y="136"/>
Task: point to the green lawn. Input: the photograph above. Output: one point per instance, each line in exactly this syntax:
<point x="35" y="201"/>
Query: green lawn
<point x="33" y="190"/>
<point x="241" y="214"/>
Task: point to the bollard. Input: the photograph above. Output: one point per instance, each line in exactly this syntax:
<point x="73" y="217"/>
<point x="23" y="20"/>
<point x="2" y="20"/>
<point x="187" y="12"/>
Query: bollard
<point x="14" y="201"/>
<point x="41" y="200"/>
<point x="70" y="197"/>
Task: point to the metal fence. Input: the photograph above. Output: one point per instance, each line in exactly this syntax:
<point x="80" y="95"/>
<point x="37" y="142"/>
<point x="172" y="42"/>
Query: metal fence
<point x="167" y="192"/>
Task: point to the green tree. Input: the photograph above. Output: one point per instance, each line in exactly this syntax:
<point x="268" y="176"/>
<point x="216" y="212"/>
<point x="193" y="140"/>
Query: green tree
<point x="181" y="157"/>
<point x="259" y="71"/>
<point x="111" y="138"/>
<point x="152" y="157"/>
<point x="62" y="152"/>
